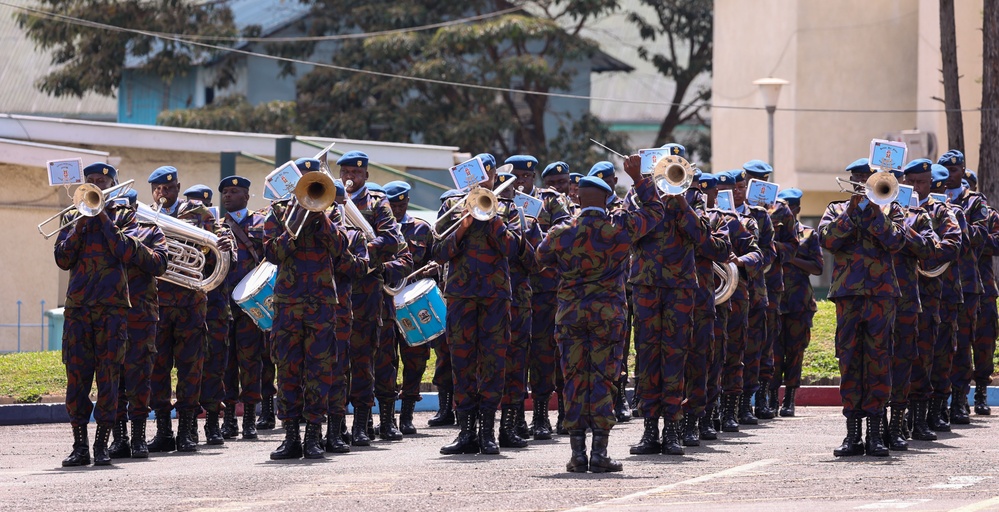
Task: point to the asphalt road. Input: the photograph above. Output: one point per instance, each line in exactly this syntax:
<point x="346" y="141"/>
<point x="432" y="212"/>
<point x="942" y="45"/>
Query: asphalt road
<point x="783" y="464"/>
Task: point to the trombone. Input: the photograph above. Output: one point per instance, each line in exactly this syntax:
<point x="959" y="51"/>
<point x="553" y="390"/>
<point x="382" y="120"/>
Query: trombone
<point x="673" y="175"/>
<point x="89" y="200"/>
<point x="881" y="188"/>
<point x="481" y="203"/>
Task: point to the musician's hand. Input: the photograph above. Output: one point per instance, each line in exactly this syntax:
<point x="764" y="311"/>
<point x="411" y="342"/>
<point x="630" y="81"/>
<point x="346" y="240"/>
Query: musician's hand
<point x="225" y="244"/>
<point x="103" y="216"/>
<point x="681" y="201"/>
<point x="855" y="202"/>
<point x="633" y="167"/>
<point x="735" y="259"/>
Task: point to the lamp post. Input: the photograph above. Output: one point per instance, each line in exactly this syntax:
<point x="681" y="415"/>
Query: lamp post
<point x="770" y="91"/>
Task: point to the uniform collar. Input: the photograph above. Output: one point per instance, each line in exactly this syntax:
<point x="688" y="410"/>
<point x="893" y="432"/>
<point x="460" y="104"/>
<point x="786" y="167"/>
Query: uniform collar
<point x="602" y="211"/>
<point x="173" y="209"/>
<point x="238" y="215"/>
<point x="741" y="208"/>
<point x="360" y="192"/>
<point x="954" y="193"/>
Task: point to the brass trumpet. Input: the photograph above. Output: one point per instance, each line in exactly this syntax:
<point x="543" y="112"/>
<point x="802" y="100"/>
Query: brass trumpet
<point x="481" y="203"/>
<point x="89" y="200"/>
<point x="673" y="175"/>
<point x="881" y="188"/>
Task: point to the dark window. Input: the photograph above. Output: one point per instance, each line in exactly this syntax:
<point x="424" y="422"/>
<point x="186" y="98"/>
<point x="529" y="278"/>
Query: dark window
<point x="209" y="95"/>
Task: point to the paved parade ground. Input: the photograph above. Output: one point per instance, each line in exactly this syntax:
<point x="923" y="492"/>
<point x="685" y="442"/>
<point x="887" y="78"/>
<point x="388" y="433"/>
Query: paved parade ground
<point x="782" y="464"/>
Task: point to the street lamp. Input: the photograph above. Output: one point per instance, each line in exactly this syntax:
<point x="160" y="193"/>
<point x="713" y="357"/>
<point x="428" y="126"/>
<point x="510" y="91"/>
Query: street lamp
<point x="770" y="91"/>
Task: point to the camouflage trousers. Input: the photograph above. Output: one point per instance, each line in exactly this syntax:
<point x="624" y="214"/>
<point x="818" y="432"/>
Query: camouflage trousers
<point x="944" y="348"/>
<point x="590" y="358"/>
<point x="443" y="373"/>
<point x="479" y="333"/>
<point x="904" y="351"/>
<point x="93" y="344"/>
<point x="245" y="362"/>
<point x="663" y="337"/>
<point x="133" y="385"/>
<point x="773" y="329"/>
<point x="962" y="372"/>
<point x="413" y="361"/>
<point x="341" y="368"/>
<point x="920" y="388"/>
<point x="985" y="340"/>
<point x="716" y="357"/>
<point x="180" y="343"/>
<point x="789" y="349"/>
<point x="863" y="336"/>
<point x="735" y="347"/>
<point x="213" y="369"/>
<point x="756" y="339"/>
<point x="544" y="373"/>
<point x="385" y="360"/>
<point x="268" y="370"/>
<point x="696" y="367"/>
<point x="365" y="332"/>
<point x="304" y="338"/>
<point x="515" y="388"/>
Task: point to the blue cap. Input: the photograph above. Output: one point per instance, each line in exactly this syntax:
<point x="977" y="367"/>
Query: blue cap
<point x="233" y="181"/>
<point x="100" y="168"/>
<point x="163" y="175"/>
<point x="199" y="191"/>
<point x="575" y="177"/>
<point x="731" y="177"/>
<point x="370" y="185"/>
<point x="952" y="157"/>
<point x="940" y="175"/>
<point x="601" y="170"/>
<point x="555" y="169"/>
<point x="131" y="195"/>
<point x="523" y="162"/>
<point x="861" y="165"/>
<point x="964" y="183"/>
<point x="758" y="168"/>
<point x="504" y="177"/>
<point x="341" y="191"/>
<point x="488" y="161"/>
<point x="595" y="182"/>
<point x="707" y="181"/>
<point x="307" y="165"/>
<point x="791" y="196"/>
<point x="353" y="159"/>
<point x="450" y="193"/>
<point x="397" y="191"/>
<point x="897" y="173"/>
<point x="675" y="149"/>
<point x="971" y="175"/>
<point x="917" y="166"/>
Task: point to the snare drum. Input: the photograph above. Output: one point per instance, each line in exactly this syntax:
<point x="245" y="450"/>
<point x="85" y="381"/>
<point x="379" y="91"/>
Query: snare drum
<point x="255" y="295"/>
<point x="420" y="312"/>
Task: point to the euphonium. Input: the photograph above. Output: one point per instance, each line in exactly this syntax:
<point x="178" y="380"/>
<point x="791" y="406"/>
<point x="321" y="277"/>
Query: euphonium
<point x="187" y="246"/>
<point x="673" y="175"/>
<point x="353" y="216"/>
<point x="728" y="280"/>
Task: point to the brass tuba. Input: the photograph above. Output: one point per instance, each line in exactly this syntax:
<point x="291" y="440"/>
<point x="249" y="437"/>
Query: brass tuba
<point x="673" y="175"/>
<point x="187" y="246"/>
<point x="728" y="280"/>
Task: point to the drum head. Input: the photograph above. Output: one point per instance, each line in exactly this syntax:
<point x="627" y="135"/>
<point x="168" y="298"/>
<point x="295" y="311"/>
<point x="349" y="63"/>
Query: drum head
<point x="254" y="281"/>
<point x="414" y="291"/>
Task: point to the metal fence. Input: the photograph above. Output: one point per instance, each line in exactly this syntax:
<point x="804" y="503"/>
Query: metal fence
<point x="26" y="332"/>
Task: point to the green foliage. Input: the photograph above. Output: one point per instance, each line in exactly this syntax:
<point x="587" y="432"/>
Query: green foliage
<point x="235" y="113"/>
<point x="29" y="375"/>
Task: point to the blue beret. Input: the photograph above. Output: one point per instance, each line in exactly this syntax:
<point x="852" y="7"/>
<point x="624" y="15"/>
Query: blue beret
<point x="234" y="181"/>
<point x="731" y="177"/>
<point x="374" y="186"/>
<point x="504" y="177"/>
<point x="790" y="196"/>
<point x="897" y="173"/>
<point x="162" y="175"/>
<point x="340" y="190"/>
<point x="675" y="149"/>
<point x="917" y="166"/>
<point x="555" y="169"/>
<point x="199" y="191"/>
<point x="707" y="181"/>
<point x="131" y="195"/>
<point x="353" y="159"/>
<point x="758" y="168"/>
<point x="603" y="169"/>
<point x="861" y="165"/>
<point x="971" y="175"/>
<point x="595" y="182"/>
<point x="575" y="177"/>
<point x="522" y="162"/>
<point x="397" y="191"/>
<point x="697" y="173"/>
<point x="488" y="161"/>
<point x="100" y="168"/>
<point x="308" y="164"/>
<point x="940" y="174"/>
<point x="450" y="193"/>
<point x="964" y="183"/>
<point x="952" y="157"/>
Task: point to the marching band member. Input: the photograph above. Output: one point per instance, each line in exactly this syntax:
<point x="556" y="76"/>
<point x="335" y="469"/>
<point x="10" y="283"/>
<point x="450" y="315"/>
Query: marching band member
<point x="95" y="251"/>
<point x="148" y="262"/>
<point x="305" y="323"/>
<point x="573" y="193"/>
<point x="988" y="318"/>
<point x="590" y="254"/>
<point x="797" y="306"/>
<point x="478" y="294"/>
<point x="200" y="194"/>
<point x="443" y="377"/>
<point x="862" y="237"/>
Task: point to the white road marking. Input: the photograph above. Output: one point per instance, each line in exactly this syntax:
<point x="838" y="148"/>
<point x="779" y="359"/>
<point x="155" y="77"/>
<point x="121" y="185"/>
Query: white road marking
<point x="958" y="482"/>
<point x="892" y="504"/>
<point x="981" y="505"/>
<point x="703" y="478"/>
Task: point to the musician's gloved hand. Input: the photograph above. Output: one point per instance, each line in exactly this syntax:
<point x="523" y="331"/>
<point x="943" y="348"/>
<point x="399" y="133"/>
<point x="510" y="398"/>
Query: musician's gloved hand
<point x="633" y="167"/>
<point x="225" y="244"/>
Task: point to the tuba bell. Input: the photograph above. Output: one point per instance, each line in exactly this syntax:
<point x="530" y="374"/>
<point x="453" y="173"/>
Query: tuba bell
<point x="187" y="246"/>
<point x="728" y="280"/>
<point x="673" y="175"/>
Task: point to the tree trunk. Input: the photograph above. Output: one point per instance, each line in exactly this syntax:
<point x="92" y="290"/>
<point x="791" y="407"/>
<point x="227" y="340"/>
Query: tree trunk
<point x="988" y="161"/>
<point x="952" y="91"/>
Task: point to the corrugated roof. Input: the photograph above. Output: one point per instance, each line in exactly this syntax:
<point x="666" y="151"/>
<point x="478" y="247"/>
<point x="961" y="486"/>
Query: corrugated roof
<point x="23" y="65"/>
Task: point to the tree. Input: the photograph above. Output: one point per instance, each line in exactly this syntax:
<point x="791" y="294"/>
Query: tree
<point x="988" y="161"/>
<point x="952" y="89"/>
<point x="683" y="34"/>
<point x="91" y="58"/>
<point x="234" y="113"/>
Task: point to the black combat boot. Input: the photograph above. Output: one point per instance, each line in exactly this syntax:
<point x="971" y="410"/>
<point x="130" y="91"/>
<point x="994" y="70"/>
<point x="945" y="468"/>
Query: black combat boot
<point x="773" y="399"/>
<point x="185" y="425"/>
<point x="959" y="408"/>
<point x="560" y="417"/>
<point x="920" y="429"/>
<point x="649" y="443"/>
<point x="312" y="447"/>
<point x="671" y="438"/>
<point x="705" y="426"/>
<point x="359" y="430"/>
<point x="291" y="447"/>
<point x="691" y="437"/>
<point x="728" y="415"/>
<point x="762" y="399"/>
<point x="895" y="439"/>
<point x="487" y="433"/>
<point x="266" y="421"/>
<point x="139" y="448"/>
<point x="334" y="441"/>
<point x="249" y="422"/>
<point x="213" y="433"/>
<point x="853" y="443"/>
<point x="230" y="428"/>
<point x="578" y="462"/>
<point x="194" y="427"/>
<point x="386" y="421"/>
<point x="716" y="409"/>
<point x="540" y="424"/>
<point x="521" y="424"/>
<point x="622" y="409"/>
<point x="875" y="444"/>
<point x="406" y="417"/>
<point x="787" y="406"/>
<point x="163" y="441"/>
<point x="746" y="416"/>
<point x="81" y="448"/>
<point x="982" y="399"/>
<point x="508" y="437"/>
<point x="599" y="461"/>
<point x="934" y="417"/>
<point x="467" y="440"/>
<point x="445" y="413"/>
<point x="101" y="455"/>
<point x="119" y="448"/>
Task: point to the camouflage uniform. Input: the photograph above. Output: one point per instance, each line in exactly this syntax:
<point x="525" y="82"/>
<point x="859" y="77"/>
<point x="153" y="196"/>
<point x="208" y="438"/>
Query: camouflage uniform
<point x="216" y="358"/>
<point x="246" y="340"/>
<point x="414" y="359"/>
<point x="786" y="246"/>
<point x="976" y="212"/>
<point x="797" y="310"/>
<point x="758" y="328"/>
<point x="988" y="318"/>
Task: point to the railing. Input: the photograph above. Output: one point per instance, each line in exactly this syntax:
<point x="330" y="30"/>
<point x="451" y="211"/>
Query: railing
<point x="19" y="326"/>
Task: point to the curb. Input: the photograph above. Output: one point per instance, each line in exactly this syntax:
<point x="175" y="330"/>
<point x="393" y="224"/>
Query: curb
<point x="30" y="414"/>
